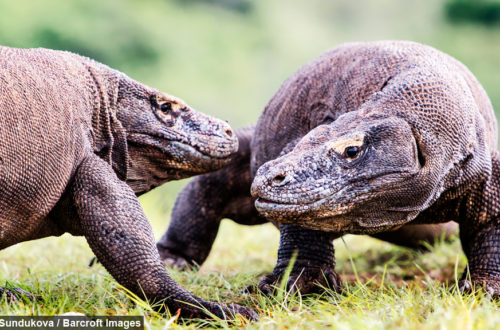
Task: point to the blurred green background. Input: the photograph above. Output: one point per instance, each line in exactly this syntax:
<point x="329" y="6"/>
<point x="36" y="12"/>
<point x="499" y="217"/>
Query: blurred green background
<point x="228" y="57"/>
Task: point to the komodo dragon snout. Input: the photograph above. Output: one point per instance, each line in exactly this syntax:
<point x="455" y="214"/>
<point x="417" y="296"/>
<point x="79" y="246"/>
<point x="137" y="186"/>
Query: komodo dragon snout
<point x="358" y="173"/>
<point x="168" y="139"/>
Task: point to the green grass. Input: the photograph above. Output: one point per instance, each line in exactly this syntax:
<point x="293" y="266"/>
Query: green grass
<point x="228" y="63"/>
<point x="386" y="286"/>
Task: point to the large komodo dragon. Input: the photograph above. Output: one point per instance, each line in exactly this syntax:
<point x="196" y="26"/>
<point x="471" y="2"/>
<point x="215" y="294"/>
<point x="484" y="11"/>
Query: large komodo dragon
<point x="391" y="139"/>
<point x="73" y="134"/>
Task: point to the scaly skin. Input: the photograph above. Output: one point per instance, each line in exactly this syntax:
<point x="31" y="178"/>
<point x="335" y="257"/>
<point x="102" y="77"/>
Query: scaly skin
<point x="79" y="142"/>
<point x="392" y="139"/>
<point x="211" y="197"/>
<point x="413" y="140"/>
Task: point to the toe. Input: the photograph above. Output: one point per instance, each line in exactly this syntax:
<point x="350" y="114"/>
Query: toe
<point x="334" y="282"/>
<point x="267" y="284"/>
<point x="244" y="311"/>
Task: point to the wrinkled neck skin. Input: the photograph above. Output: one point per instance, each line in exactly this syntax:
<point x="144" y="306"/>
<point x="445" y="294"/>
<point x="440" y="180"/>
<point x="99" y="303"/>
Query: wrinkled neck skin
<point x="150" y="137"/>
<point x="108" y="135"/>
<point x="366" y="172"/>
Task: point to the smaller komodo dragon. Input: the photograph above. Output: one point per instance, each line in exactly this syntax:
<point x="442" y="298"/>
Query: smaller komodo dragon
<point x="392" y="139"/>
<point x="78" y="142"/>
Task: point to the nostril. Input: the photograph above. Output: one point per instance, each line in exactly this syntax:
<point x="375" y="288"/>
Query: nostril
<point x="278" y="179"/>
<point x="229" y="132"/>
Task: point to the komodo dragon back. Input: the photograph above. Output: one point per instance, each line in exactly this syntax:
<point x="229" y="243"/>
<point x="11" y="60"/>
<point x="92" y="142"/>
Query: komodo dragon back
<point x="79" y="141"/>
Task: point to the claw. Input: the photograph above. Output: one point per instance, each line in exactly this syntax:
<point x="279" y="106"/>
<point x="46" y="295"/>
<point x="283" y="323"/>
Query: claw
<point x="464" y="286"/>
<point x="491" y="287"/>
<point x="229" y="311"/>
<point x="246" y="312"/>
<point x="291" y="286"/>
<point x="265" y="284"/>
<point x="249" y="289"/>
<point x="305" y="281"/>
<point x="178" y="262"/>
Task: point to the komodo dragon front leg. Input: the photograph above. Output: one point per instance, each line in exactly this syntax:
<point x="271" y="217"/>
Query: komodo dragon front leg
<point x="480" y="234"/>
<point x="209" y="198"/>
<point x="112" y="221"/>
<point x="314" y="265"/>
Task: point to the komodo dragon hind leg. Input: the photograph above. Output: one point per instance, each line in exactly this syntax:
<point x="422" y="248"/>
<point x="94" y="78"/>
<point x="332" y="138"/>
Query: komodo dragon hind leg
<point x="119" y="234"/>
<point x="204" y="202"/>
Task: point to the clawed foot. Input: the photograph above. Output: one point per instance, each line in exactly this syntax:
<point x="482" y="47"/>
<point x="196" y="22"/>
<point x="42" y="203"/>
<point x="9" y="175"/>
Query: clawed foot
<point x="306" y="280"/>
<point x="491" y="287"/>
<point x="208" y="309"/>
<point x="229" y="311"/>
<point x="15" y="294"/>
<point x="205" y="309"/>
<point x="171" y="259"/>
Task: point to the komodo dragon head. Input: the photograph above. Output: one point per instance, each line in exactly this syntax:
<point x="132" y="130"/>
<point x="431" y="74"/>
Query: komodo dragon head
<point x="342" y="174"/>
<point x="155" y="137"/>
<point x="378" y="167"/>
<point x="169" y="140"/>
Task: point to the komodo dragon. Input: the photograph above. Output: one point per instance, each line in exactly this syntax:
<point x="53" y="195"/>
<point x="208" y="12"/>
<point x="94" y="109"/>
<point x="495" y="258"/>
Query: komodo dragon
<point x="78" y="141"/>
<point x="389" y="138"/>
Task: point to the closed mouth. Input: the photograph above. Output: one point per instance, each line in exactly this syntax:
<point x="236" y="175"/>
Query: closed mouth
<point x="171" y="146"/>
<point x="266" y="204"/>
<point x="263" y="204"/>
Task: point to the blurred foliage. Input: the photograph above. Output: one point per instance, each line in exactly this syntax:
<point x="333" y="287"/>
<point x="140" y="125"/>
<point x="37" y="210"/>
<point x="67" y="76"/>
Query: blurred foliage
<point x="228" y="57"/>
<point x="479" y="11"/>
<point x="80" y="27"/>
<point x="242" y="6"/>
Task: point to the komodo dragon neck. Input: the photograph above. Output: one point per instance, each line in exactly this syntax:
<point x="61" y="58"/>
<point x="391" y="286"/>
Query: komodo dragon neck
<point x="108" y="135"/>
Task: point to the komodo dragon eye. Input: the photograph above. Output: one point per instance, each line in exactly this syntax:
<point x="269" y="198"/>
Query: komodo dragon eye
<point x="352" y="152"/>
<point x="166" y="107"/>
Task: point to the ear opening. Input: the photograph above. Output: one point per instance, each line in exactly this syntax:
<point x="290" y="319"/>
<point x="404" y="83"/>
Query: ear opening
<point x="385" y="83"/>
<point x="420" y="155"/>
